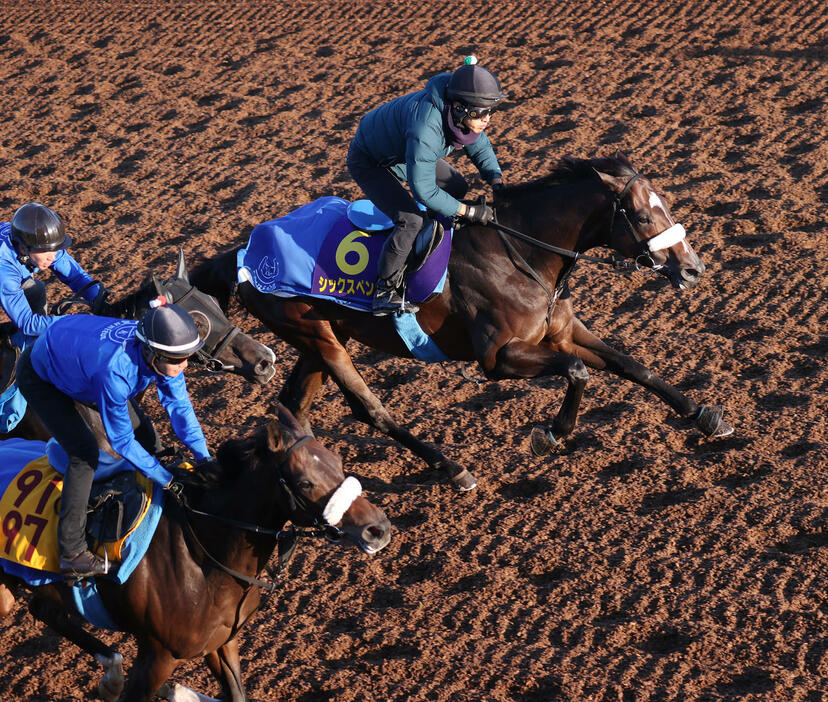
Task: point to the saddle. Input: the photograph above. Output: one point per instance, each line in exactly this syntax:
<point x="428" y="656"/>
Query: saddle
<point x="116" y="506"/>
<point x="428" y="239"/>
<point x="118" y="501"/>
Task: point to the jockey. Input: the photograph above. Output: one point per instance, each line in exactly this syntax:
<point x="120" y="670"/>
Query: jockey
<point x="406" y="140"/>
<point x="35" y="240"/>
<point x="107" y="362"/>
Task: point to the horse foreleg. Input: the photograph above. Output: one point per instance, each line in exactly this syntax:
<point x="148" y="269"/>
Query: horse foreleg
<point x="151" y="668"/>
<point x="519" y="359"/>
<point x="307" y="376"/>
<point x="367" y="408"/>
<point x="596" y="354"/>
<point x="53" y="614"/>
<point x="226" y="666"/>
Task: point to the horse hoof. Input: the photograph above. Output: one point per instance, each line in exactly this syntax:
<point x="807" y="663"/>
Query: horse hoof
<point x="543" y="442"/>
<point x="464" y="481"/>
<point x="710" y="423"/>
<point x="724" y="430"/>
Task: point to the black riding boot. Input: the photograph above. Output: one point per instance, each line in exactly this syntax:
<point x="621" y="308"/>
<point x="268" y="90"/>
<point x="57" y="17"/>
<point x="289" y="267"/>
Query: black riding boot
<point x="76" y="560"/>
<point x="389" y="298"/>
<point x="389" y="292"/>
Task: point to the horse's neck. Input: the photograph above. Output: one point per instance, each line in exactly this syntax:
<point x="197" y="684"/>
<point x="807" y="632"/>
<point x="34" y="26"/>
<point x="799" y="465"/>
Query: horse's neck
<point x="568" y="216"/>
<point x="131" y="306"/>
<point x="238" y="548"/>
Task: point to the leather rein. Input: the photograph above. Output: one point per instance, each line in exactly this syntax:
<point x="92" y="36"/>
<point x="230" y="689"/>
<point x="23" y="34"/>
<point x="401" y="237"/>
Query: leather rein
<point x="320" y="529"/>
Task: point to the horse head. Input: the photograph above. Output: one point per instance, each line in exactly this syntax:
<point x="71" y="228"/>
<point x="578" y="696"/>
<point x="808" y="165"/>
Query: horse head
<point x="313" y="489"/>
<point x="226" y="348"/>
<point x="642" y="228"/>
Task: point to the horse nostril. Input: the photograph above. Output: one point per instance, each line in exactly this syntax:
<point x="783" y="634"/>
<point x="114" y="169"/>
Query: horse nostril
<point x="691" y="275"/>
<point x="376" y="532"/>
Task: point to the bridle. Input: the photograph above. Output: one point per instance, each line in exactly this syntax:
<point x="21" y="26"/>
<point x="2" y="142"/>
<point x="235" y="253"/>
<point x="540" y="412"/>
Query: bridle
<point x="642" y="260"/>
<point x="296" y="504"/>
<point x="219" y="331"/>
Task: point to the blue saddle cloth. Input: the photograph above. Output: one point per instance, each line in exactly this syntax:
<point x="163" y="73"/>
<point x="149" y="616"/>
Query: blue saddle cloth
<point x="319" y="251"/>
<point x="329" y="249"/>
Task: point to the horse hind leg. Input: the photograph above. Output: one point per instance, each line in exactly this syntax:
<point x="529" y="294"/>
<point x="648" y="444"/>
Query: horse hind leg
<point x="367" y="408"/>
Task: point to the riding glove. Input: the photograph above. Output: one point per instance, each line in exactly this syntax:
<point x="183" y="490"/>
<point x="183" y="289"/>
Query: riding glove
<point x="99" y="305"/>
<point x="479" y="214"/>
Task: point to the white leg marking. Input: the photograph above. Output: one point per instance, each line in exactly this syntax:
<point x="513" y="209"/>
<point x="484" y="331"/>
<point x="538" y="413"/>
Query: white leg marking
<point x="112" y="683"/>
<point x="185" y="694"/>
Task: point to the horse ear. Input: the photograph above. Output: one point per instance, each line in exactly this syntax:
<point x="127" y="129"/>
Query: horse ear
<point x="612" y="182"/>
<point x="159" y="286"/>
<point x="286" y="417"/>
<point x="181" y="269"/>
<point x="275" y="436"/>
<point x="621" y="156"/>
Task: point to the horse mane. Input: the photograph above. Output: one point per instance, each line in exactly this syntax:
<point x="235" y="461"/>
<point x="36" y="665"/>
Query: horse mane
<point x="231" y="458"/>
<point x="571" y="170"/>
<point x="235" y="455"/>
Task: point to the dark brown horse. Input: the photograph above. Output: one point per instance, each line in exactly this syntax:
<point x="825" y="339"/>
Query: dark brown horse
<point x="196" y="586"/>
<point x="226" y="347"/>
<point x="505" y="304"/>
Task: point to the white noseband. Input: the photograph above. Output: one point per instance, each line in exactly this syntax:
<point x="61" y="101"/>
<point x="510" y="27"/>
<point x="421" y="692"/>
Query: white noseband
<point x="342" y="498"/>
<point x="667" y="238"/>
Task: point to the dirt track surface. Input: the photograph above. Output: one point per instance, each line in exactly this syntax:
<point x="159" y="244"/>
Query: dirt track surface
<point x="641" y="563"/>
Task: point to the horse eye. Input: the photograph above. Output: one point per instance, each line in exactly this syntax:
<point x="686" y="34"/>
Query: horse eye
<point x="305" y="485"/>
<point x="644" y="218"/>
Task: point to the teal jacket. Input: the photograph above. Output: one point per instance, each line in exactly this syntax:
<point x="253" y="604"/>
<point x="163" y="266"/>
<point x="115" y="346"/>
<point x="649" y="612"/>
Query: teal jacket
<point x="408" y="136"/>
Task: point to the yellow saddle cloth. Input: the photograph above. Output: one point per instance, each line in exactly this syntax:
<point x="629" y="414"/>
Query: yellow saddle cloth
<point x="29" y="513"/>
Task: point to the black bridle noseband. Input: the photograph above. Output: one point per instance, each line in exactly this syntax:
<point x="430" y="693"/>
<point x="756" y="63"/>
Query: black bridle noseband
<point x="296" y="505"/>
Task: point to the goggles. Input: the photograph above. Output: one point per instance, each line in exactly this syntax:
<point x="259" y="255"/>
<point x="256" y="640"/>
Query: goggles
<point x="461" y="111"/>
<point x="172" y="360"/>
<point x="478" y="112"/>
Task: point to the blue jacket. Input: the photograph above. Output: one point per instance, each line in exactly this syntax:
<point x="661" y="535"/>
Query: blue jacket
<point x="13" y="274"/>
<point x="408" y="136"/>
<point x="99" y="359"/>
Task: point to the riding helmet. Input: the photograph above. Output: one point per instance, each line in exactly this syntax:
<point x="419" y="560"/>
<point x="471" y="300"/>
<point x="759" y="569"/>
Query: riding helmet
<point x="474" y="85"/>
<point x="169" y="331"/>
<point x="37" y="228"/>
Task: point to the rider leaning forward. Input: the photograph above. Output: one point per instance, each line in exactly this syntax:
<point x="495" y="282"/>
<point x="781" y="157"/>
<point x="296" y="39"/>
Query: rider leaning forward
<point x="406" y="140"/>
<point x="35" y="240"/>
<point x="107" y="362"/>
